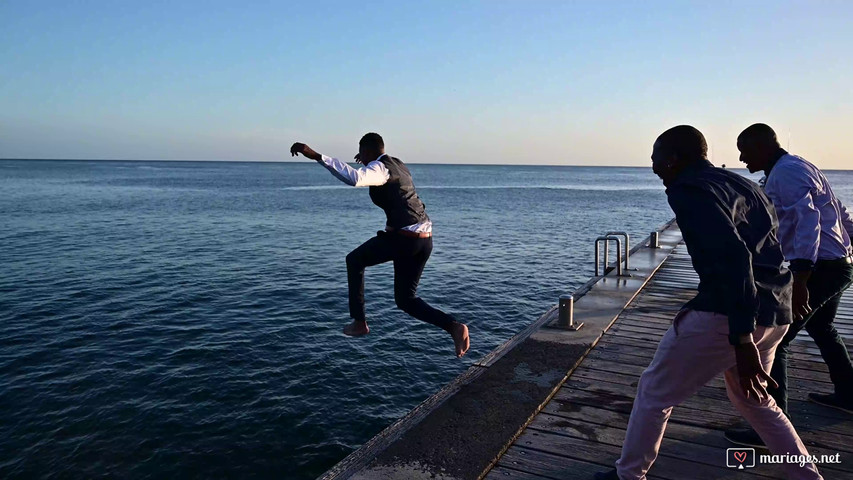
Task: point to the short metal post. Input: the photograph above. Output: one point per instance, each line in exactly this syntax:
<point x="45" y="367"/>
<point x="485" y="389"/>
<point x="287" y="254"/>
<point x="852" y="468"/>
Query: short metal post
<point x="567" y="313"/>
<point x="654" y="240"/>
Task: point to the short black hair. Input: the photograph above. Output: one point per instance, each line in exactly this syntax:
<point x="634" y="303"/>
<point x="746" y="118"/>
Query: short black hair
<point x="685" y="142"/>
<point x="759" y="132"/>
<point x="372" y="140"/>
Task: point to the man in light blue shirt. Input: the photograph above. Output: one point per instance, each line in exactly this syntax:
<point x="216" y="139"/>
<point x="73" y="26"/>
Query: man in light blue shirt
<point x="815" y="230"/>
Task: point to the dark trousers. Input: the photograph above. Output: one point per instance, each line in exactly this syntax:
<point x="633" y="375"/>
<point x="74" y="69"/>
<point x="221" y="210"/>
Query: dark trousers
<point x="409" y="256"/>
<point x="826" y="285"/>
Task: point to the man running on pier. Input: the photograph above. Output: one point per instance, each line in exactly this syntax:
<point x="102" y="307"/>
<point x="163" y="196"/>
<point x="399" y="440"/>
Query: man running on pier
<point x="407" y="238"/>
<point x="736" y="320"/>
<point x="815" y="230"/>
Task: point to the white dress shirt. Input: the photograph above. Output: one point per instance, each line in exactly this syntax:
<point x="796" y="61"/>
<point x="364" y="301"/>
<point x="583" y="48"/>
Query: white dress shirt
<point x="373" y="174"/>
<point x="813" y="224"/>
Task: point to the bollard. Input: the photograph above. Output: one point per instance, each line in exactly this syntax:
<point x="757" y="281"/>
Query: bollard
<point x="654" y="240"/>
<point x="567" y="312"/>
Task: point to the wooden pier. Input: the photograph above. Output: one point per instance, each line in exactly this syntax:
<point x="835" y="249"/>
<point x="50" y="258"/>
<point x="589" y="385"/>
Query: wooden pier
<point x="554" y="404"/>
<point x="581" y="429"/>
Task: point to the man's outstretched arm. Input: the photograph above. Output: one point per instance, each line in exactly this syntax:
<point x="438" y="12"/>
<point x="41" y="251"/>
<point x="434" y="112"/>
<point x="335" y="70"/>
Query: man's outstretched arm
<point x="373" y="174"/>
<point x="305" y="150"/>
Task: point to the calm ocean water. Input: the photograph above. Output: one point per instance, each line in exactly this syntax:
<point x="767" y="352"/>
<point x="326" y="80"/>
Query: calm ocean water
<point x="162" y="320"/>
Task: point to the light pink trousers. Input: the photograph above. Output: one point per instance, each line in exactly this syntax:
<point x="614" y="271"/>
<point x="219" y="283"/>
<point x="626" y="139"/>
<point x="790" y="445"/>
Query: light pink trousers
<point x="683" y="363"/>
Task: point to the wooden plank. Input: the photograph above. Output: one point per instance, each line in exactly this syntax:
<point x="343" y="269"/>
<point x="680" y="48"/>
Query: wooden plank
<point x="798" y="390"/>
<point x="569" y="399"/>
<point x="700" y="453"/>
<point x="670" y="468"/>
<point x="650" y="326"/>
<point x="832" y="420"/>
<point x="649" y="337"/>
<point x="501" y="473"/>
<point x="796" y="383"/>
<point x="663" y="322"/>
<point x="626" y="344"/>
<point x="647" y="344"/>
<point x="813" y="430"/>
<point x="675" y="430"/>
<point x="550" y="465"/>
<point x="714" y="393"/>
<point x="799" y="368"/>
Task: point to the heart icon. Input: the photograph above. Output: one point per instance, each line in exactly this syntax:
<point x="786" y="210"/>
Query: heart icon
<point x="740" y="456"/>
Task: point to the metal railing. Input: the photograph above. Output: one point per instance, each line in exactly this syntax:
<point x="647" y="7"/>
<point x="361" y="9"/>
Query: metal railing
<point x="627" y="246"/>
<point x="566" y="302"/>
<point x="607" y="239"/>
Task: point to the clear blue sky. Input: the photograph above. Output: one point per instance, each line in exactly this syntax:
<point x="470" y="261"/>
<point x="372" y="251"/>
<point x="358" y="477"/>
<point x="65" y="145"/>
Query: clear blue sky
<point x="542" y="82"/>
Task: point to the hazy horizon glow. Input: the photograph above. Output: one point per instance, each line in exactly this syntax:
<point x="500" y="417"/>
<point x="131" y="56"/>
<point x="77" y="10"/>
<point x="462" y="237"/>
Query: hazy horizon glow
<point x="561" y="83"/>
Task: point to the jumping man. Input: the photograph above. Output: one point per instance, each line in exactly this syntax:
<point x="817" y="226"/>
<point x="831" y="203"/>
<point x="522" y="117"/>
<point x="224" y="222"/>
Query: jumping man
<point x="407" y="238"/>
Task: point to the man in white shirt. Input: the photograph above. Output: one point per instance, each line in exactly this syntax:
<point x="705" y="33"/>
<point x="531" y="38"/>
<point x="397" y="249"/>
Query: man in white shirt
<point x="406" y="240"/>
<point x="814" y="230"/>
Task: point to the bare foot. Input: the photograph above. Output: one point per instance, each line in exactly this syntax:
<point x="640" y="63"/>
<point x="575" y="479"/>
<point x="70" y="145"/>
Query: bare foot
<point x="356" y="329"/>
<point x="460" y="339"/>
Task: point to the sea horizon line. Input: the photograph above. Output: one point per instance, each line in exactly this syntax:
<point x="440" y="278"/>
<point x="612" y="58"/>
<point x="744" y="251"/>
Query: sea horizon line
<point x="310" y="162"/>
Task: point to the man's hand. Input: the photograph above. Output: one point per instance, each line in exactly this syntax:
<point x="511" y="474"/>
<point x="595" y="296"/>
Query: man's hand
<point x="800" y="296"/>
<point x="298" y="148"/>
<point x="750" y="372"/>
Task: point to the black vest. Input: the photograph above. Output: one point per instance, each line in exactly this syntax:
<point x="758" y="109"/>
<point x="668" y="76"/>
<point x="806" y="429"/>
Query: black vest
<point x="397" y="197"/>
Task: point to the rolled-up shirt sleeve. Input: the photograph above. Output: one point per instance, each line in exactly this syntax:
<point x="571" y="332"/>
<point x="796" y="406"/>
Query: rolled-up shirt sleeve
<point x="799" y="219"/>
<point x="717" y="248"/>
<point x="373" y="174"/>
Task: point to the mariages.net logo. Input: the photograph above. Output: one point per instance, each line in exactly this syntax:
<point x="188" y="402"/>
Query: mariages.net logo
<point x="742" y="458"/>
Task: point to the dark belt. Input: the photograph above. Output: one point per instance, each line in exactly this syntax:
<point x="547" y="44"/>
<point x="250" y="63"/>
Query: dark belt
<point x="836" y="261"/>
<point x="408" y="233"/>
